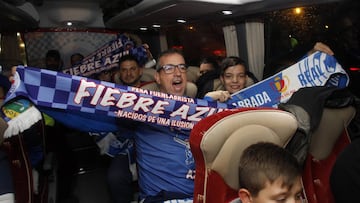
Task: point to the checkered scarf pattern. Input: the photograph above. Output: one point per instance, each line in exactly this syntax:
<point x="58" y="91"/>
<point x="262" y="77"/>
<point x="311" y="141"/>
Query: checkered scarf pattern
<point x="53" y="93"/>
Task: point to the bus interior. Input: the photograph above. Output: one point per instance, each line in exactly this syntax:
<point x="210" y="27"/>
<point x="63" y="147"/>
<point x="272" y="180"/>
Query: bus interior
<point x="259" y="31"/>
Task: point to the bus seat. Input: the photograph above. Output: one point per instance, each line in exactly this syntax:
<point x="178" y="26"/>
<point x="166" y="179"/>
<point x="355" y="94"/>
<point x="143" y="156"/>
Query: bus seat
<point x="217" y="142"/>
<point x="249" y="81"/>
<point x="190" y="90"/>
<point x="327" y="141"/>
<point x="148" y="75"/>
<point x="192" y="74"/>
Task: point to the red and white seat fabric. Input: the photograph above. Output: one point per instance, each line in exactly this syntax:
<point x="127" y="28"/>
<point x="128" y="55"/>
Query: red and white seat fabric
<point x="217" y="143"/>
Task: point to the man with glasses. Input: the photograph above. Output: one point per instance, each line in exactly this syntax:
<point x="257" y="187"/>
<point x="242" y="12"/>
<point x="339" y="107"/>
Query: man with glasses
<point x="166" y="166"/>
<point x="171" y="73"/>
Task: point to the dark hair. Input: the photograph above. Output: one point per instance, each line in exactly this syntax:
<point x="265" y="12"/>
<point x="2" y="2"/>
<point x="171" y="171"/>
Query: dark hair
<point x="53" y="53"/>
<point x="265" y="161"/>
<point x="232" y="61"/>
<point x="165" y="53"/>
<point x="77" y="54"/>
<point x="5" y="83"/>
<point x="128" y="57"/>
<point x="212" y="61"/>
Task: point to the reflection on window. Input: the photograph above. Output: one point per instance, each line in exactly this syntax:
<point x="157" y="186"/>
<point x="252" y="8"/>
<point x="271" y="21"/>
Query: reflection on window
<point x="197" y="41"/>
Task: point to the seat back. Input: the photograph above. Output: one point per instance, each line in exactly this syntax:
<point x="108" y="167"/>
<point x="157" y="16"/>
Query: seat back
<point x="218" y="141"/>
<point x="190" y="90"/>
<point x="327" y="141"/>
<point x="148" y="75"/>
<point x="192" y="74"/>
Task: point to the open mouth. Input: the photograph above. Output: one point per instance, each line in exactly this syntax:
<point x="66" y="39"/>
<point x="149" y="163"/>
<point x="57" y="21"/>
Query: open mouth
<point x="235" y="87"/>
<point x="177" y="84"/>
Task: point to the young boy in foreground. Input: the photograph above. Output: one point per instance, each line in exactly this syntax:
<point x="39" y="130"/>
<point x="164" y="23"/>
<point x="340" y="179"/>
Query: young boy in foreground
<point x="268" y="173"/>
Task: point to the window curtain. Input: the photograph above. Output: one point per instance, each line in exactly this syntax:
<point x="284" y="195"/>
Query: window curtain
<point x="231" y="40"/>
<point x="10" y="51"/>
<point x="163" y="42"/>
<point x="255" y="44"/>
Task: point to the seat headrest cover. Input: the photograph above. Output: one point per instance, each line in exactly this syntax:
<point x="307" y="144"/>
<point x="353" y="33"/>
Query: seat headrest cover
<point x="333" y="122"/>
<point x="223" y="143"/>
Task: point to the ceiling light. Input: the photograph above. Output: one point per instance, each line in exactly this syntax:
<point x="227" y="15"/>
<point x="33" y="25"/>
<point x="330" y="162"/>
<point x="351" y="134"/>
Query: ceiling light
<point x="226" y="12"/>
<point x="156" y="26"/>
<point x="143" y="28"/>
<point x="181" y="21"/>
<point x="69" y="23"/>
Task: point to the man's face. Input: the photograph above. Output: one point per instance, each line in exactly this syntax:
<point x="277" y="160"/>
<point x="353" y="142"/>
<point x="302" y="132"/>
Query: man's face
<point x="172" y="83"/>
<point x="52" y="63"/>
<point x="130" y="73"/>
<point x="234" y="78"/>
<point x="278" y="192"/>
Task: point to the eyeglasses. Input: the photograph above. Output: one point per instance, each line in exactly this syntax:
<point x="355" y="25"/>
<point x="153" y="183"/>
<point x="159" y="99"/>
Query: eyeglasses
<point x="170" y="68"/>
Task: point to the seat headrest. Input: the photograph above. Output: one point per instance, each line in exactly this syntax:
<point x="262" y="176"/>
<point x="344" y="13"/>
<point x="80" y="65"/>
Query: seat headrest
<point x="333" y="122"/>
<point x="223" y="143"/>
<point x="148" y="75"/>
<point x="192" y="74"/>
<point x="249" y="81"/>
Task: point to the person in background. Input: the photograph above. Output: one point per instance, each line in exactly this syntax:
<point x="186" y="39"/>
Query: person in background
<point x="209" y="71"/>
<point x="53" y="60"/>
<point x="129" y="72"/>
<point x="119" y="146"/>
<point x="57" y="142"/>
<point x="268" y="173"/>
<point x="121" y="174"/>
<point x="105" y="75"/>
<point x="76" y="59"/>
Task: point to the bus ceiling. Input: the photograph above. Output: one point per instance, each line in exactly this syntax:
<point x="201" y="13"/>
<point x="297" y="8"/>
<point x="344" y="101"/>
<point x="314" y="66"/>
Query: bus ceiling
<point x="21" y="15"/>
<point x="167" y="12"/>
<point x="17" y="16"/>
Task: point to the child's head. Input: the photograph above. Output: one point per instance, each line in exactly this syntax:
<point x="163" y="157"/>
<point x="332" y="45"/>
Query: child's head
<point x="269" y="173"/>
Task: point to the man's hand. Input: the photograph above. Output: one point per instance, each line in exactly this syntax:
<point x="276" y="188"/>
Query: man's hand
<point x="319" y="46"/>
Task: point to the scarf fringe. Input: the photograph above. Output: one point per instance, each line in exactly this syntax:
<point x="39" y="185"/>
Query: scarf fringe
<point x="22" y="122"/>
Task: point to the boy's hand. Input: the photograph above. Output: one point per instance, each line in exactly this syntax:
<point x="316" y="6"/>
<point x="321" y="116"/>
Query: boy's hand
<point x="219" y="95"/>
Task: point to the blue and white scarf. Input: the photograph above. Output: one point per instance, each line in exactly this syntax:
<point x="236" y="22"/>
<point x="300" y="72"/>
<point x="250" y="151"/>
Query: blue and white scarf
<point x="96" y="106"/>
